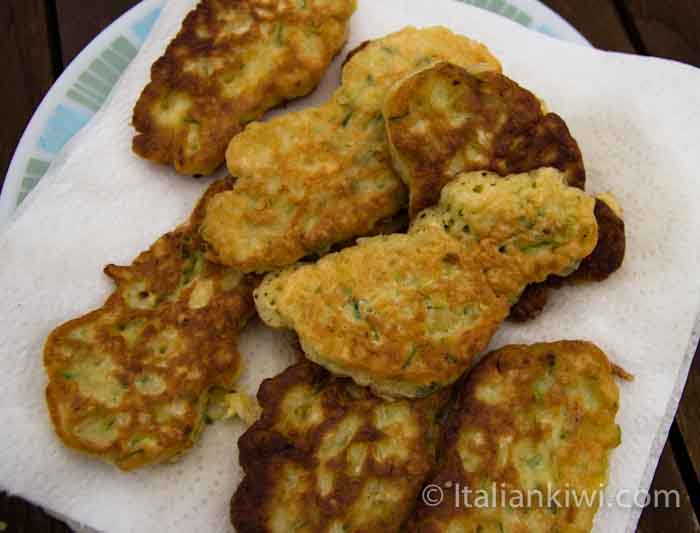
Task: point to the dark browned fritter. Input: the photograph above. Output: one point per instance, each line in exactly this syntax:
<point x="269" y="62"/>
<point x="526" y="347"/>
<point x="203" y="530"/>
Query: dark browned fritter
<point x="444" y="121"/>
<point x="327" y="455"/>
<point x="231" y="62"/>
<point x="129" y="382"/>
<point x="610" y="250"/>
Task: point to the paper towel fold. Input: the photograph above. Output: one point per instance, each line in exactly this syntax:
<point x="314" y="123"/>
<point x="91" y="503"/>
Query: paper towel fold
<point x="637" y="121"/>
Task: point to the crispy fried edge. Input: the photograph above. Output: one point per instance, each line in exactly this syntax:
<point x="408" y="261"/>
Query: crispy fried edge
<point x="608" y="255"/>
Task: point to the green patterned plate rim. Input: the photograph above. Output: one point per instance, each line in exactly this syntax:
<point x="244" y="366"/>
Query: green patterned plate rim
<point x="85" y="85"/>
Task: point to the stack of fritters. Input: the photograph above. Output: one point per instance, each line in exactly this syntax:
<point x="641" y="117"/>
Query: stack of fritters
<point x="493" y="184"/>
<point x="314" y="178"/>
<point x="129" y="382"/>
<point x="232" y="61"/>
<point x="407" y="314"/>
<point x="443" y="120"/>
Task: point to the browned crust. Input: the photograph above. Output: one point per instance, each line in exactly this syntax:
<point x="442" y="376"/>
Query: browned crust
<point x="531" y="302"/>
<point x="527" y="140"/>
<point x="166" y="145"/>
<point x="263" y="450"/>
<point x="354" y="51"/>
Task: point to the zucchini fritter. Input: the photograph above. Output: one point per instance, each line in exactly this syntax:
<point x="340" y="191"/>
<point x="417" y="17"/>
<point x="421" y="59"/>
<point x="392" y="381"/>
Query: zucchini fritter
<point x="407" y="314"/>
<point x="529" y="420"/>
<point x="231" y="61"/>
<point x="443" y="121"/>
<point x="532" y="224"/>
<point x="329" y="456"/>
<point x="129" y="382"/>
<point x="310" y="179"/>
<point x="404" y="314"/>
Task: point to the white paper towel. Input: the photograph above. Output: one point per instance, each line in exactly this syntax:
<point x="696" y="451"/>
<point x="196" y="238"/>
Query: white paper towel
<point x="637" y="121"/>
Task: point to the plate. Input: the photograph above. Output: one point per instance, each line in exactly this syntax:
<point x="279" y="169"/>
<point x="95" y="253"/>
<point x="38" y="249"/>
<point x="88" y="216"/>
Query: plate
<point x="85" y="85"/>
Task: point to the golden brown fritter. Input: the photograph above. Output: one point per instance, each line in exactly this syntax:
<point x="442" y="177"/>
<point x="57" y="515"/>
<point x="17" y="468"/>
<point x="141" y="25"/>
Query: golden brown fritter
<point x="443" y="121"/>
<point x="407" y="314"/>
<point x="231" y="61"/>
<point x="129" y="382"/>
<point x="403" y="314"/>
<point x="310" y="179"/>
<point x="329" y="456"/>
<point x="527" y="418"/>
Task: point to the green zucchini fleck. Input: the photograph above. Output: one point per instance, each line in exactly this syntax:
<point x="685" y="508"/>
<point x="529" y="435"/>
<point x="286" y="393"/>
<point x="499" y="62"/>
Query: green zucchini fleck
<point x="534" y="461"/>
<point x="279" y="34"/>
<point x="347" y="118"/>
<point x="409" y="359"/>
<point x="537" y="248"/>
<point x="357" y="313"/>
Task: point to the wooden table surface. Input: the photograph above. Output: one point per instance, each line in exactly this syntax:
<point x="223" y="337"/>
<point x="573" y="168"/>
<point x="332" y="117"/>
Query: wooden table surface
<point x="41" y="37"/>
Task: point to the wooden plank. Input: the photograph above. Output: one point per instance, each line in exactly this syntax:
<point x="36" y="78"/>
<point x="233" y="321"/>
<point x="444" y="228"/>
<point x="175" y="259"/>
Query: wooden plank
<point x="22" y="517"/>
<point x="597" y="20"/>
<point x="28" y="72"/>
<point x="688" y="416"/>
<point x="660" y="519"/>
<point x="26" y="67"/>
<point x="602" y="23"/>
<point x="672" y="30"/>
<point x="80" y="21"/>
<point x="667" y="29"/>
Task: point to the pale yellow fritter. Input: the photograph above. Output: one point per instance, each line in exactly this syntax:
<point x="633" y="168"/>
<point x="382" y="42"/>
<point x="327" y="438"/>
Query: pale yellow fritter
<point x="407" y="314"/>
<point x="541" y="225"/>
<point x="231" y="61"/>
<point x="129" y="382"/>
<point x="527" y="418"/>
<point x="310" y="179"/>
<point x="443" y="121"/>
<point x="328" y="456"/>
